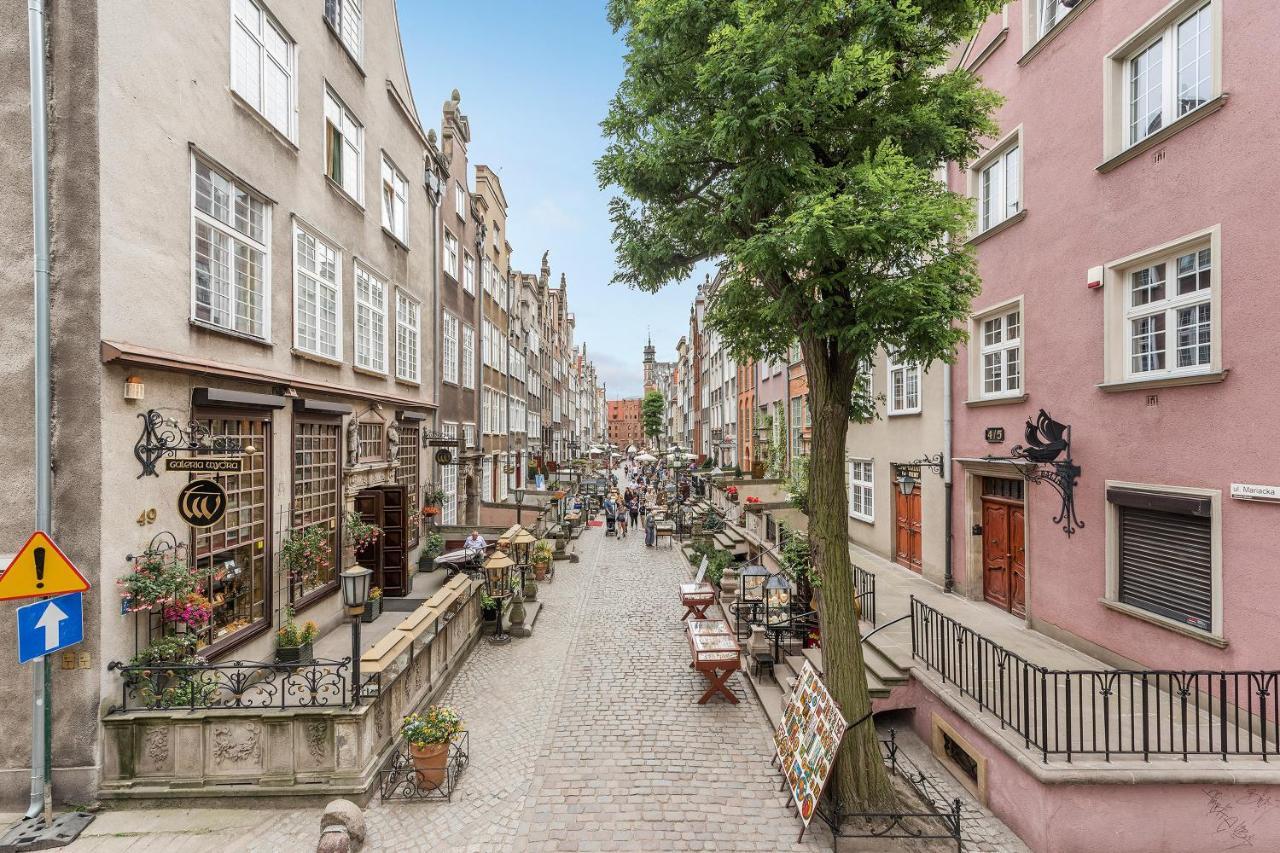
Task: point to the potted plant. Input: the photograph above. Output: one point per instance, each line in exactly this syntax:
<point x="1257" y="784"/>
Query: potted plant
<point x="158" y="577"/>
<point x="294" y="641"/>
<point x="432" y="546"/>
<point x="361" y="533"/>
<point x="488" y="607"/>
<point x="373" y="607"/>
<point x="307" y="554"/>
<point x="429" y="735"/>
<point x="432" y="499"/>
<point x="732" y="494"/>
<point x="543" y="553"/>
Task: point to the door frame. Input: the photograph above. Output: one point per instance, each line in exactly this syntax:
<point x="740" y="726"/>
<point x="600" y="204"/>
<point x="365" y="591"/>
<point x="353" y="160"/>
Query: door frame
<point x="974" y="471"/>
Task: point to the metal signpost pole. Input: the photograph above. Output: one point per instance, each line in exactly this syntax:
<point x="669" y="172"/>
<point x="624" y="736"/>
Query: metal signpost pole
<point x="41" y="795"/>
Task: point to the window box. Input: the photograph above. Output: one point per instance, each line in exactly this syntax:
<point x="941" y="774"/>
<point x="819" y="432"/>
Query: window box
<point x="296" y="655"/>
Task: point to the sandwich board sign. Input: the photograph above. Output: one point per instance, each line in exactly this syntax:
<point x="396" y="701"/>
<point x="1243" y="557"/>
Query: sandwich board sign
<point x="40" y="569"/>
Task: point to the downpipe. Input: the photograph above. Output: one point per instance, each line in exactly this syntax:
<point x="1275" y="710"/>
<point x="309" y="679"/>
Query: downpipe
<point x="948" y="577"/>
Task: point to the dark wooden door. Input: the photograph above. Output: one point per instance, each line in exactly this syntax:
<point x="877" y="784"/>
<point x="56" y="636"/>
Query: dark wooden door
<point x="907" y="548"/>
<point x="1017" y="562"/>
<point x="1004" y="558"/>
<point x="394" y="577"/>
<point x="369" y="508"/>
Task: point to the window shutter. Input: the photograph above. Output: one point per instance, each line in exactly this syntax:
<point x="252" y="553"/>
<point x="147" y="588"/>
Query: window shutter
<point x="1166" y="565"/>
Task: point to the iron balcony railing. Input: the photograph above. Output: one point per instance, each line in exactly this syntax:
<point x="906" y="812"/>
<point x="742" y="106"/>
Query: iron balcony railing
<point x="1103" y="713"/>
<point x="865" y="593"/>
<point x="233" y="685"/>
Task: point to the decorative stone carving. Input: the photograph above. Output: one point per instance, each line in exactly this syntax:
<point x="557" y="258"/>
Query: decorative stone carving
<point x="157" y="741"/>
<point x="393" y="442"/>
<point x="353" y="442"/>
<point x="227" y="748"/>
<point x="317" y="735"/>
<point x="378" y="727"/>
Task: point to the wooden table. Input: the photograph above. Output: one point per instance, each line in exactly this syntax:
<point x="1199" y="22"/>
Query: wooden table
<point x="716" y="654"/>
<point x="696" y="598"/>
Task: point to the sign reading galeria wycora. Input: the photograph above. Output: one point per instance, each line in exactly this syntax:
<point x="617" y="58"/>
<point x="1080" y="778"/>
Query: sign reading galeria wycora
<point x="807" y="740"/>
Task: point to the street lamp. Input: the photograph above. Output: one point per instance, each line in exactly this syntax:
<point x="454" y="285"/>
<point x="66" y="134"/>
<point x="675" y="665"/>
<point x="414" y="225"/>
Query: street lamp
<point x="907" y="483"/>
<point x="753" y="578"/>
<point x="355" y="593"/>
<point x="777" y="599"/>
<point x="519" y="494"/>
<point x="497" y="574"/>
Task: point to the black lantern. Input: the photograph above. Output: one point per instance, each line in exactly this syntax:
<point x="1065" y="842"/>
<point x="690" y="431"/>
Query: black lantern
<point x="355" y="594"/>
<point x="907" y="483"/>
<point x="777" y="599"/>
<point x="752" y="579"/>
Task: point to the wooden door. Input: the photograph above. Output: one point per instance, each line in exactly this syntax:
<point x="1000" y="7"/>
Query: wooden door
<point x="393" y="576"/>
<point x="369" y="508"/>
<point x="1017" y="562"/>
<point x="907" y="547"/>
<point x="995" y="553"/>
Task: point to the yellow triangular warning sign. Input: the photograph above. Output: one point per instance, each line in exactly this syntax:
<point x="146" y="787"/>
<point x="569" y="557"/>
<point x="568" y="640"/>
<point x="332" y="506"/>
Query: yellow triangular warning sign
<point x="40" y="569"/>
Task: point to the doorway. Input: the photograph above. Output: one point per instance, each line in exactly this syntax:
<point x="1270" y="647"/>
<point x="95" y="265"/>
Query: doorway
<point x="1004" y="558"/>
<point x="385" y="506"/>
<point x="907" y="549"/>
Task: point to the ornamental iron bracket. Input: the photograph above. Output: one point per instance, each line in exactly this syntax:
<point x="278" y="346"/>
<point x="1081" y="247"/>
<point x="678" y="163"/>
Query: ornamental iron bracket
<point x="1046" y="458"/>
<point x="163" y="437"/>
<point x="934" y="463"/>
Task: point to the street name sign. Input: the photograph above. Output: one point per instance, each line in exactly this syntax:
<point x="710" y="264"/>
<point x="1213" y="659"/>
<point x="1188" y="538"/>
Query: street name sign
<point x="1254" y="492"/>
<point x="40" y="569"/>
<point x="50" y="625"/>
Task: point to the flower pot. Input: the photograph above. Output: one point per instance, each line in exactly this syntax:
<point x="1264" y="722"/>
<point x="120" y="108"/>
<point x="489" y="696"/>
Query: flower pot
<point x="540" y="570"/>
<point x="372" y="610"/>
<point x="488" y="614"/>
<point x="296" y="655"/>
<point x="431" y="763"/>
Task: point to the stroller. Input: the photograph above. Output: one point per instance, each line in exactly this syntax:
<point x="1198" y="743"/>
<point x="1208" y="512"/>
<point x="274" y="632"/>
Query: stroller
<point x="610" y="523"/>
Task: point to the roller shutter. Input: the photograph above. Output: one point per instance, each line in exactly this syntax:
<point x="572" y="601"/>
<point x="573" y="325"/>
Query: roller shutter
<point x="1166" y="564"/>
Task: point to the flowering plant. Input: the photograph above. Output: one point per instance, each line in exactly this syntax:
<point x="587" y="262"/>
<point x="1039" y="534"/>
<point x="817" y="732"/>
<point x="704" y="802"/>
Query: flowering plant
<point x="194" y="611"/>
<point x="292" y="635"/>
<point x="157" y="578"/>
<point x="307" y="552"/>
<point x="732" y="493"/>
<point x="375" y="593"/>
<point x="437" y="724"/>
<point x="752" y="499"/>
<point x="360" y="533"/>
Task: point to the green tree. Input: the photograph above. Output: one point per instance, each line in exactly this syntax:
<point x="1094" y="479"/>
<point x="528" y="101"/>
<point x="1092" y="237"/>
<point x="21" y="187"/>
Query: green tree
<point x="654" y="411"/>
<point x="799" y="144"/>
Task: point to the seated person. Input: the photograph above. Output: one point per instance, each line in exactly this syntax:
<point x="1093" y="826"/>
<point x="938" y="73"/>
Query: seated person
<point x="475" y="543"/>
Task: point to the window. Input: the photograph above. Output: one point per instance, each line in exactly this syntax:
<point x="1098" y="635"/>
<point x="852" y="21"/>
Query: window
<point x="450" y="349"/>
<point x="468" y="357"/>
<point x="1164" y="556"/>
<point x="449" y="482"/>
<point x="231" y="229"/>
<point x="408" y="359"/>
<point x="347" y="19"/>
<point x="1000" y="351"/>
<point x="316" y="496"/>
<point x="370" y="443"/>
<point x="371" y="321"/>
<point x="343" y="147"/>
<point x="797" y="427"/>
<point x="460" y="200"/>
<point x="395" y="201"/>
<point x="468" y="273"/>
<point x="451" y="255"/>
<point x="262" y="59"/>
<point x="1000" y="187"/>
<point x="1169" y="315"/>
<point x="1049" y="12"/>
<point x="407" y="457"/>
<point x="486" y="479"/>
<point x="904" y="388"/>
<point x="317" y="296"/>
<point x="862" y="489"/>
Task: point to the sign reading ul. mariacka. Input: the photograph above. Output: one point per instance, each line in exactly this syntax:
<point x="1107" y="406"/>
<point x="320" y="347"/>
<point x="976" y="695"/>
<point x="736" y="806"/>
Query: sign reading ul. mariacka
<point x="202" y="503"/>
<point x="210" y="466"/>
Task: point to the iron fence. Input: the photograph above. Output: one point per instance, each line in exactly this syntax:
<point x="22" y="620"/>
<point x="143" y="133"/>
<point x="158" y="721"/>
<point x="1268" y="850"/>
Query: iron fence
<point x="232" y="685"/>
<point x="865" y="594"/>
<point x="1145" y="713"/>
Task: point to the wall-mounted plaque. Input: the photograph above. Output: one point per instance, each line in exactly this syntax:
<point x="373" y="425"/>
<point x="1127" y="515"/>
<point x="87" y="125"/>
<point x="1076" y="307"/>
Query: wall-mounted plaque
<point x="205" y="466"/>
<point x="202" y="503"/>
<point x="995" y="435"/>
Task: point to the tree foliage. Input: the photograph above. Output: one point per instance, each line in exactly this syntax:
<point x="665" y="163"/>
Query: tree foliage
<point x="653" y="410"/>
<point x="799" y="143"/>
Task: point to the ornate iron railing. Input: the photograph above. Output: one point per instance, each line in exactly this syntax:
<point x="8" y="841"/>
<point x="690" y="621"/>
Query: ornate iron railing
<point x="232" y="685"/>
<point x="865" y="593"/>
<point x="1103" y="713"/>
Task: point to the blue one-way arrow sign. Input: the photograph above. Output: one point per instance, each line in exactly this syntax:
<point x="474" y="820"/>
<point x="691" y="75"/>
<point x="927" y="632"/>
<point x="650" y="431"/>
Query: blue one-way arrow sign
<point x="46" y="626"/>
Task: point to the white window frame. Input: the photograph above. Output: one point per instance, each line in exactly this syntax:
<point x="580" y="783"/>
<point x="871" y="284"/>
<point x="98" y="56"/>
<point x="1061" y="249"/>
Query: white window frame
<point x="864" y="485"/>
<point x="395" y="200"/>
<point x="449" y="348"/>
<point x="449" y="481"/>
<point x="265" y="58"/>
<point x="460" y="200"/>
<point x="468" y="272"/>
<point x="351" y="131"/>
<point x="349" y="25"/>
<point x="989" y="183"/>
<point x="1119" y="312"/>
<point x="300" y="277"/>
<point x="1169" y="307"/>
<point x="234" y="235"/>
<point x="451" y="251"/>
<point x="892" y="366"/>
<point x="980" y="350"/>
<point x="370" y="319"/>
<point x="408" y="337"/>
<point x="468" y="356"/>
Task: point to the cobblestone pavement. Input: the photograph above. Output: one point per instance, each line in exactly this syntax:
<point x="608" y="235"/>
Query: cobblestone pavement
<point x="587" y="735"/>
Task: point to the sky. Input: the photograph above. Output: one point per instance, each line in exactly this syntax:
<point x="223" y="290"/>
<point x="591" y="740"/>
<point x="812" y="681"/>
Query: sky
<point x="536" y="79"/>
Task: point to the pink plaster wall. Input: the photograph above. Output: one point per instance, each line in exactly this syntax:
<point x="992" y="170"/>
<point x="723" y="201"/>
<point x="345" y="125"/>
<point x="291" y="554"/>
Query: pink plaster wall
<point x="1134" y="818"/>
<point x="1220" y="171"/>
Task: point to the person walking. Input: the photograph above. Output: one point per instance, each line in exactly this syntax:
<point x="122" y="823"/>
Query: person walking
<point x="650" y="531"/>
<point x="633" y="509"/>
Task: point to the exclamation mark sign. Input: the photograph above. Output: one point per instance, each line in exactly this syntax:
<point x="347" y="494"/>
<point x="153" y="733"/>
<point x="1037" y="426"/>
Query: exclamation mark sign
<point x="38" y="553"/>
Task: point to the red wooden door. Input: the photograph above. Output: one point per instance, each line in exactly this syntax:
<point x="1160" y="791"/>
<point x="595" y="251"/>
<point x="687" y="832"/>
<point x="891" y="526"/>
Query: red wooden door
<point x="907" y="550"/>
<point x="995" y="553"/>
<point x="1017" y="562"/>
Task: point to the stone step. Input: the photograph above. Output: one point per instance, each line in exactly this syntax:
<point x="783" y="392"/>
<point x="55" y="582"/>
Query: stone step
<point x="772" y="699"/>
<point x="886" y="670"/>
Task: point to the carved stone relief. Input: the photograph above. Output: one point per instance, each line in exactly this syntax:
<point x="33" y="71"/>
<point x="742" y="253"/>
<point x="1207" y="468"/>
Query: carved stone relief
<point x="228" y="749"/>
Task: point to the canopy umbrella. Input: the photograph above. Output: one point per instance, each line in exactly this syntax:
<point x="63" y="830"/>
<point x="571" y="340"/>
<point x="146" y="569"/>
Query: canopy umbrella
<point x="646" y="457"/>
<point x="632" y="449"/>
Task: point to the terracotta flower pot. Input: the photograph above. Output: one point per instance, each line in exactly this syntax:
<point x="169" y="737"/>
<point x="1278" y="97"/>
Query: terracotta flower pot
<point x="431" y="763"/>
<point x="540" y="570"/>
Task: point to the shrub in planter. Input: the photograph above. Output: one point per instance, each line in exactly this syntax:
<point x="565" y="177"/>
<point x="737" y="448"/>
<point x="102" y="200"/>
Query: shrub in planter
<point x="373" y="607"/>
<point x="429" y="735"/>
<point x="488" y="607"/>
<point x="294" y="642"/>
<point x="543" y="553"/>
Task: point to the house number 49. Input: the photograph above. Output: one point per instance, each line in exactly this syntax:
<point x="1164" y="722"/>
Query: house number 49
<point x="147" y="516"/>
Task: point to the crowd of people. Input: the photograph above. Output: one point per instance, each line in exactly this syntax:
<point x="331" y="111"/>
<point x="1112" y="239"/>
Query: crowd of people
<point x="636" y="490"/>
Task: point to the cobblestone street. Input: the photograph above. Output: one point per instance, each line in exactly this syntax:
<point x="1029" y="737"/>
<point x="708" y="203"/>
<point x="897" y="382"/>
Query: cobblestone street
<point x="587" y="735"/>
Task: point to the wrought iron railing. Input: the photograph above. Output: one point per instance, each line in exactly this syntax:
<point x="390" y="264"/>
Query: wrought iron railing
<point x="788" y="636"/>
<point x="1103" y="713"/>
<point x="865" y="593"/>
<point x="232" y="685"/>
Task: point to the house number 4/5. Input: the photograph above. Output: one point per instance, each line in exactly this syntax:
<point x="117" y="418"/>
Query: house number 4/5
<point x="147" y="516"/>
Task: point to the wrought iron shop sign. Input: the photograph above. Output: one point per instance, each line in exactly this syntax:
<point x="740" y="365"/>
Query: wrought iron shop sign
<point x="1046" y="458"/>
<point x="202" y="503"/>
<point x="163" y="437"/>
<point x="205" y="466"/>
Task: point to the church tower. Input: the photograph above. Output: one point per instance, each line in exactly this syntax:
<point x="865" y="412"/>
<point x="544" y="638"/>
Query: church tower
<point x="650" y="362"/>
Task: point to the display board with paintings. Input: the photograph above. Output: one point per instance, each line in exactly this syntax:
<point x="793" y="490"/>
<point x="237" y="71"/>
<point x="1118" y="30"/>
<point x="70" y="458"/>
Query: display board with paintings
<point x="807" y="740"/>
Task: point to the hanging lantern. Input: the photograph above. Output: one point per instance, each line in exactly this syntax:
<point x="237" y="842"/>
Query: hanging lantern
<point x="777" y="599"/>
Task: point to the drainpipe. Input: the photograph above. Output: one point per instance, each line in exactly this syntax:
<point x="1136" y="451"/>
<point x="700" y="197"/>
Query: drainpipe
<point x="40" y="673"/>
<point x="949" y="580"/>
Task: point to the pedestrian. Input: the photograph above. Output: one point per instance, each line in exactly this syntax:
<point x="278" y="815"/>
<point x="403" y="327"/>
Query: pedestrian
<point x="650" y="531"/>
<point x="622" y="525"/>
<point x="633" y="509"/>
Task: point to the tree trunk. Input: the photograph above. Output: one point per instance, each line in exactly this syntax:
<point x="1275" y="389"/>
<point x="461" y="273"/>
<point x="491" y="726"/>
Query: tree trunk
<point x="859" y="780"/>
